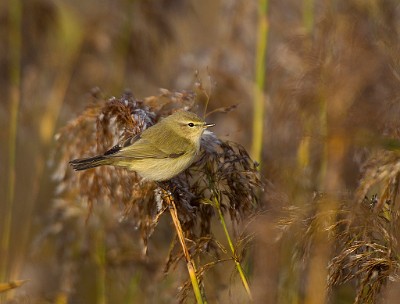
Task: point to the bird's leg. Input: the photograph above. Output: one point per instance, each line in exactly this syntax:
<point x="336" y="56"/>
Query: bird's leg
<point x="167" y="186"/>
<point x="166" y="194"/>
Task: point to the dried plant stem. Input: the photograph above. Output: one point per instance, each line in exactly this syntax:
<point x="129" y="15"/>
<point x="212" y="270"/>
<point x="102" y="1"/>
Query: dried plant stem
<point x="235" y="258"/>
<point x="100" y="259"/>
<point x="189" y="261"/>
<point x="61" y="298"/>
<point x="259" y="104"/>
<point x="308" y="15"/>
<point x="15" y="95"/>
<point x="11" y="285"/>
<point x="303" y="152"/>
<point x="68" y="43"/>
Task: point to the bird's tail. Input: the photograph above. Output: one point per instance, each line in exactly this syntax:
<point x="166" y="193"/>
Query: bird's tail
<point x="90" y="162"/>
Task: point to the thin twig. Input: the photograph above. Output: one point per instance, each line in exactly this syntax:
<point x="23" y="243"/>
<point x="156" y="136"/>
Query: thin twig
<point x="189" y="262"/>
<point x="259" y="101"/>
<point x="231" y="246"/>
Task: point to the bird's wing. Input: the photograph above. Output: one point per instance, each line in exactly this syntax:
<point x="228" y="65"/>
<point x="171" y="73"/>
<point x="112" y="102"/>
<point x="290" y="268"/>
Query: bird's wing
<point x="143" y="148"/>
<point x="130" y="141"/>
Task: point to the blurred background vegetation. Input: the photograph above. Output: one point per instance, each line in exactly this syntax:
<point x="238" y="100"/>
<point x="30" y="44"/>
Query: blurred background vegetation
<point x="317" y="87"/>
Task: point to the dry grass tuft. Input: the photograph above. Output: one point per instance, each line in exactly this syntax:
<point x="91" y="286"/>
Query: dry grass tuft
<point x="364" y="237"/>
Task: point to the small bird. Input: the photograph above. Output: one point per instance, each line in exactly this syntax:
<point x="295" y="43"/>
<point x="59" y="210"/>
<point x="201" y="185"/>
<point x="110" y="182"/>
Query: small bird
<point x="159" y="153"/>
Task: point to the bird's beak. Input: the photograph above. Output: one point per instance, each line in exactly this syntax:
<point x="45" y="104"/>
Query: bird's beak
<point x="206" y="125"/>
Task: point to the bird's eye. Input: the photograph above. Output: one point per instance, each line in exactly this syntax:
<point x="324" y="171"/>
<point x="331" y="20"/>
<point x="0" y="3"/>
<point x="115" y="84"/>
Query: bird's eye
<point x="190" y="124"/>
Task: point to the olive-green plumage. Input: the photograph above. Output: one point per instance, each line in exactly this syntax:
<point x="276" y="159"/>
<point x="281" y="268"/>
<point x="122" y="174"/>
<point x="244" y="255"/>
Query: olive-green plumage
<point x="159" y="152"/>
